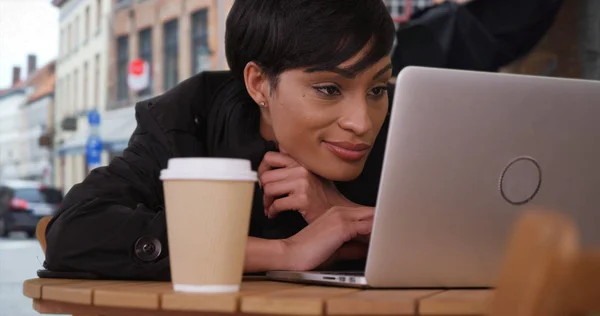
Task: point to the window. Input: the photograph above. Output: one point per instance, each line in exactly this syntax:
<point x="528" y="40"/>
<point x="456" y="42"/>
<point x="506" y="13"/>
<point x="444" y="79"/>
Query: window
<point x="200" y="50"/>
<point x="171" y="52"/>
<point x="122" y="61"/>
<point x="62" y="93"/>
<point x="87" y="23"/>
<point x="76" y="30"/>
<point x="75" y="94"/>
<point x="69" y="38"/>
<point x="97" y="81"/>
<point x="61" y="48"/>
<point x="85" y="102"/>
<point x="122" y="3"/>
<point x="67" y="96"/>
<point x="98" y="15"/>
<point x="145" y="49"/>
<point x="58" y="95"/>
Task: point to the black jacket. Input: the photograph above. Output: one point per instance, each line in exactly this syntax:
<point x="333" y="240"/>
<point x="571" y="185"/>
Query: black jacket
<point x="113" y="224"/>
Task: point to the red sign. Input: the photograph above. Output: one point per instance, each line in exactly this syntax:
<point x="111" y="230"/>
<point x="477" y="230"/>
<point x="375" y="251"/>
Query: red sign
<point x="139" y="74"/>
<point x="136" y="67"/>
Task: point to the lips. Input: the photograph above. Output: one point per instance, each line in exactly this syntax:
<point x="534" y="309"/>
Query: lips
<point x="348" y="151"/>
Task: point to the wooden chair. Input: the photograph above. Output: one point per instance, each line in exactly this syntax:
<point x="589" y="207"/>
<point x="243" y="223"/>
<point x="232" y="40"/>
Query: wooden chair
<point x="40" y="231"/>
<point x="546" y="272"/>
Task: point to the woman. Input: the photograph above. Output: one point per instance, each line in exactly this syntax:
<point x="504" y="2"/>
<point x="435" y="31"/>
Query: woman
<point x="305" y="101"/>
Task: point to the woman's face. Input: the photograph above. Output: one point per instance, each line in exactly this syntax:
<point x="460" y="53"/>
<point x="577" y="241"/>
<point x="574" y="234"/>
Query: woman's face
<point x="328" y="121"/>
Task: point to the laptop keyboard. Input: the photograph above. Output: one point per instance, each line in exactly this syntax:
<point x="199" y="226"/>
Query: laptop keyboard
<point x="346" y="273"/>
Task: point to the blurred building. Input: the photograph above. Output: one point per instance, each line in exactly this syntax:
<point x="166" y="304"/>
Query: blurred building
<point x="100" y="41"/>
<point x="25" y="119"/>
<point x="37" y="119"/>
<point x="10" y="124"/>
<point x="175" y="38"/>
<point x="81" y="72"/>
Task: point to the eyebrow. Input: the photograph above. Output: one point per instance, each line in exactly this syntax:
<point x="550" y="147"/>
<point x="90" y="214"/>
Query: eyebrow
<point x="342" y="72"/>
<point x="382" y="71"/>
<point x="351" y="74"/>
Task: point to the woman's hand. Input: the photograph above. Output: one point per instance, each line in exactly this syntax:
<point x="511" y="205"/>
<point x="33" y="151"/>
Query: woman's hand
<point x="287" y="185"/>
<point x="329" y="238"/>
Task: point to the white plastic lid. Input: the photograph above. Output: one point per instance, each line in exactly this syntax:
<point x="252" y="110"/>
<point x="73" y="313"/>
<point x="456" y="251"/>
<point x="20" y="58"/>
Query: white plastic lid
<point x="208" y="169"/>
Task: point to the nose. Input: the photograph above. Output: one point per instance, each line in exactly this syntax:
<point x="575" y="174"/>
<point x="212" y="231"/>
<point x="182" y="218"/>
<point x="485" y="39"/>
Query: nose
<point x="356" y="117"/>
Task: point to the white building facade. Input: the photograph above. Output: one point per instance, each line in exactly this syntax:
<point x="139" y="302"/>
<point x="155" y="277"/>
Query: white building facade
<point x="36" y="160"/>
<point x="25" y="114"/>
<point x="12" y="144"/>
<point x="81" y="77"/>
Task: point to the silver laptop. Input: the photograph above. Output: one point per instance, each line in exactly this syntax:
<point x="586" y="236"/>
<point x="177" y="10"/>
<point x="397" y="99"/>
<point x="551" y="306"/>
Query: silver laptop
<point x="466" y="153"/>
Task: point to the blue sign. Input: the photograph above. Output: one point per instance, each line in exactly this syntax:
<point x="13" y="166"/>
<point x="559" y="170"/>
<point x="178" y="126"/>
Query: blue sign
<point x="94" y="118"/>
<point x="93" y="147"/>
<point x="93" y="150"/>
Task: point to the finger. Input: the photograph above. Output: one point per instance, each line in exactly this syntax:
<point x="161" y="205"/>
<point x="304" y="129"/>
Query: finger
<point x="273" y="160"/>
<point x="262" y="168"/>
<point x="267" y="200"/>
<point x="279" y="188"/>
<point x="353" y="229"/>
<point x="274" y="190"/>
<point x="289" y="173"/>
<point x="283" y="204"/>
<point x="363" y="227"/>
<point x="358" y="213"/>
<point x="276" y="175"/>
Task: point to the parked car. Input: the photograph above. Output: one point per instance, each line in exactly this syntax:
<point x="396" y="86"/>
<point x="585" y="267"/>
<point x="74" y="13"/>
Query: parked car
<point x="24" y="203"/>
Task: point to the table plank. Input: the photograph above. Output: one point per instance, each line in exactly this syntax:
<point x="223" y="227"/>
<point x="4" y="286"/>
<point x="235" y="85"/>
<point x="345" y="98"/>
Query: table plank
<point x="32" y="288"/>
<point x="456" y="302"/>
<point x="378" y="302"/>
<point x="225" y="303"/>
<point x="53" y="307"/>
<point x="142" y="296"/>
<point x="79" y="293"/>
<point x="116" y="298"/>
<point x="306" y="300"/>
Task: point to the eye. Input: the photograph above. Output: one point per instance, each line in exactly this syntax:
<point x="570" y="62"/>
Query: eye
<point x="378" y="91"/>
<point x="328" y="90"/>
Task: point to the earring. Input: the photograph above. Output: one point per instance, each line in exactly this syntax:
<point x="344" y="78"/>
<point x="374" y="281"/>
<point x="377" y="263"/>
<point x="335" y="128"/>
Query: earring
<point x="262" y="104"/>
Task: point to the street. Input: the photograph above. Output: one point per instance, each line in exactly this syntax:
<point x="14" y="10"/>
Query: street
<point x="20" y="258"/>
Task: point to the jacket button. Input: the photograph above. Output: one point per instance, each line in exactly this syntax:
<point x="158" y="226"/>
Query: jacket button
<point x="147" y="248"/>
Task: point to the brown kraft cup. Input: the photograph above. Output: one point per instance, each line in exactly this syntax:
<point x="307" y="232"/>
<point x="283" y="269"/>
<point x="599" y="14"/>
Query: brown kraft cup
<point x="208" y="202"/>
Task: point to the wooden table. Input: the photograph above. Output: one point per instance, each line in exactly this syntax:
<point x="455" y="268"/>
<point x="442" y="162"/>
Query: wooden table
<point x="257" y="296"/>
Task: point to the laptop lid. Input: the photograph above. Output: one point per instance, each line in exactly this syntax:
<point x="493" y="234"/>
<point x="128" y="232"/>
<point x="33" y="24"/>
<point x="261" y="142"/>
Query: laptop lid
<point x="466" y="153"/>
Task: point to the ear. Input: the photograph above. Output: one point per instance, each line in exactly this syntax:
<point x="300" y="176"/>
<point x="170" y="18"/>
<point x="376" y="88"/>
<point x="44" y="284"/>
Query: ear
<point x="256" y="82"/>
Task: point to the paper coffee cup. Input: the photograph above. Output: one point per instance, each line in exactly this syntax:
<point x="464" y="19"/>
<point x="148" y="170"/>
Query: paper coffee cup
<point x="208" y="202"/>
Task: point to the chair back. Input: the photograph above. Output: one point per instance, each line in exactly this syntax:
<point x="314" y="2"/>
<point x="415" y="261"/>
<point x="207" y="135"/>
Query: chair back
<point x="40" y="231"/>
<point x="545" y="271"/>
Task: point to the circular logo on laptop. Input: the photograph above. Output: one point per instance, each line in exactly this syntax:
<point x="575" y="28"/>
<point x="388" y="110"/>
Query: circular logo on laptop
<point x="520" y="181"/>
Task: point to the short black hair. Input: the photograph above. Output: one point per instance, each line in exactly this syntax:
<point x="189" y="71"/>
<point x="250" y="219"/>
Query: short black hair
<point x="316" y="34"/>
